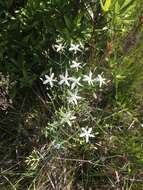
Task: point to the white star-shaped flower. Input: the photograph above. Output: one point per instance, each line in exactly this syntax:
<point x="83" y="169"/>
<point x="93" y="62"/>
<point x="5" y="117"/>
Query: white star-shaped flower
<point x="65" y="79"/>
<point x="75" y="82"/>
<point x="59" y="47"/>
<point x="76" y="65"/>
<point x="73" y="97"/>
<point x="86" y="133"/>
<point x="75" y="48"/>
<point x="88" y="78"/>
<point x="49" y="79"/>
<point x="101" y="80"/>
<point x="67" y="117"/>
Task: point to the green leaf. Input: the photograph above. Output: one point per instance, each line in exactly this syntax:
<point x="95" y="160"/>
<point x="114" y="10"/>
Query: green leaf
<point x="105" y="7"/>
<point x="77" y="20"/>
<point x="68" y="22"/>
<point x="121" y="2"/>
<point x="129" y="4"/>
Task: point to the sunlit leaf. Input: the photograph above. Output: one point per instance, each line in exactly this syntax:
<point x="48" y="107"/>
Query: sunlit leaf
<point x="105" y="7"/>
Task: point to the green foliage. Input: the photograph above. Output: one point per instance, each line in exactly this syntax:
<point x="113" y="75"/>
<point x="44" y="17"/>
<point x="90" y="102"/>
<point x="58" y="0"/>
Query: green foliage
<point x="76" y="122"/>
<point x="28" y="33"/>
<point x="106" y="5"/>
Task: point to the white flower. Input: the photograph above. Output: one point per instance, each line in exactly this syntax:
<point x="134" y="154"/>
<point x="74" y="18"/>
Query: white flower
<point x="75" y="82"/>
<point x="65" y="79"/>
<point x="55" y="144"/>
<point x="86" y="133"/>
<point x="101" y="80"/>
<point x="67" y="117"/>
<point x="88" y="78"/>
<point x="49" y="79"/>
<point x="73" y="97"/>
<point x="76" y="65"/>
<point x="75" y="48"/>
<point x="59" y="47"/>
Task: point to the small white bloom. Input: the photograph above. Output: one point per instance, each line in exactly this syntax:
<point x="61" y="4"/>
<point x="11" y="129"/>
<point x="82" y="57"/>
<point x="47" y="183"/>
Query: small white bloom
<point x="101" y="80"/>
<point x="59" y="47"/>
<point x="86" y="133"/>
<point x="49" y="79"/>
<point x="65" y="79"/>
<point x="41" y="79"/>
<point x="56" y="145"/>
<point x="76" y="65"/>
<point x="73" y="97"/>
<point x="75" y="82"/>
<point x="75" y="48"/>
<point x="88" y="78"/>
<point x="105" y="28"/>
<point x="67" y="117"/>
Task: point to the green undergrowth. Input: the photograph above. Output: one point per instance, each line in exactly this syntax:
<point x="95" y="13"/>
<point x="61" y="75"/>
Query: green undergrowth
<point x="59" y="133"/>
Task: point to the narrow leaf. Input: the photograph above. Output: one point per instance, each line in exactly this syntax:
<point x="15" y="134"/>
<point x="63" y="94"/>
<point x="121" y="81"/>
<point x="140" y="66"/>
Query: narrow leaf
<point x="105" y="7"/>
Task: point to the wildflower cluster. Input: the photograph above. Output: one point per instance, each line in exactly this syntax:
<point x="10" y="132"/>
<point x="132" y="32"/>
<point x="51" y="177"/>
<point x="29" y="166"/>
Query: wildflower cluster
<point x="73" y="81"/>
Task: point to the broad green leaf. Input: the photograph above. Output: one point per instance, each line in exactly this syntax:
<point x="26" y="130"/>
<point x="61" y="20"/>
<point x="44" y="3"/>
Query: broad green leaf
<point x="105" y="7"/>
